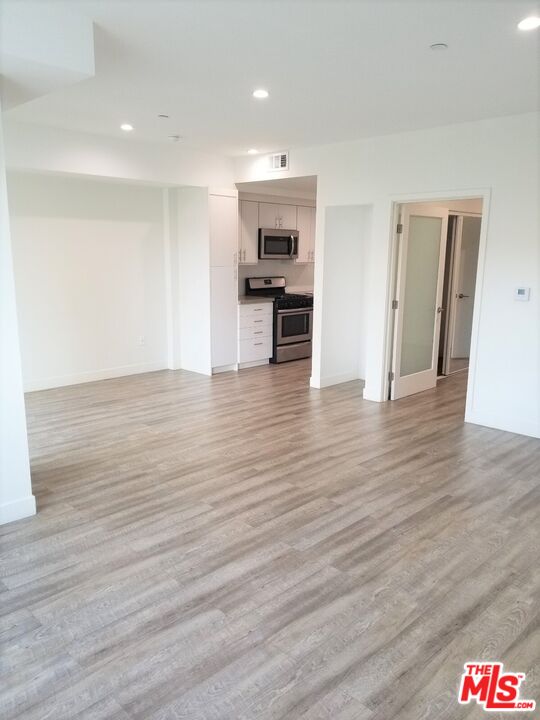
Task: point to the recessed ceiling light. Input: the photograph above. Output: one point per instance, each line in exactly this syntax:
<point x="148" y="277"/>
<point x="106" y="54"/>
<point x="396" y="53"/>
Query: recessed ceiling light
<point x="260" y="94"/>
<point x="252" y="151"/>
<point x="439" y="46"/>
<point x="126" y="127"/>
<point x="529" y="23"/>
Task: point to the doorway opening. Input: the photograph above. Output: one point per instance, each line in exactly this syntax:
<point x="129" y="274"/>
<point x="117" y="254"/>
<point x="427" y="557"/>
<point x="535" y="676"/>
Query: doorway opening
<point x="435" y="264"/>
<point x="276" y="265"/>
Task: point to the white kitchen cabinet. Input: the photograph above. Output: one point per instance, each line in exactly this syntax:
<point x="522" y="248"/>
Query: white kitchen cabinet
<point x="306" y="233"/>
<point x="248" y="232"/>
<point x="223" y="315"/>
<point x="268" y="215"/>
<point x="253" y="312"/>
<point x="223" y="227"/>
<point x="272" y="215"/>
<point x="255" y="333"/>
<point x="256" y="351"/>
<point x="223" y="218"/>
<point x="287" y="215"/>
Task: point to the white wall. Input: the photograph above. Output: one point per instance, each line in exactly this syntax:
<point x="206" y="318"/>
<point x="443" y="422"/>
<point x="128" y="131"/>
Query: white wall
<point x="16" y="499"/>
<point x="343" y="323"/>
<point x="500" y="155"/>
<point x="48" y="149"/>
<point x="90" y="278"/>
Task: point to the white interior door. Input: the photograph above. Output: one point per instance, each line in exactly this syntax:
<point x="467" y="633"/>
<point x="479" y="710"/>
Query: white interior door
<point x="465" y="264"/>
<point x="420" y="275"/>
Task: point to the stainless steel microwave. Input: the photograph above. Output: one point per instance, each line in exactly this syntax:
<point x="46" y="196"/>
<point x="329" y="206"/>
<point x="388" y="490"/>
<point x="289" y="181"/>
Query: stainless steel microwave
<point x="278" y="244"/>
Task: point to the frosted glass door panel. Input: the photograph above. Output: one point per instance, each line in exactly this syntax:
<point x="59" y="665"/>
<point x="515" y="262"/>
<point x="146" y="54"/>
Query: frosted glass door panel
<point x="420" y="301"/>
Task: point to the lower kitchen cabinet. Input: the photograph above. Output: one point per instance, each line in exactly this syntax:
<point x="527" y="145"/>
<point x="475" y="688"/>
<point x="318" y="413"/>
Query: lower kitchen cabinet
<point x="255" y="333"/>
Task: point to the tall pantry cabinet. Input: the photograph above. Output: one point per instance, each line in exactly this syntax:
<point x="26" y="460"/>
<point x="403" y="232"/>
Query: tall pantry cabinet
<point x="223" y="280"/>
<point x="204" y="258"/>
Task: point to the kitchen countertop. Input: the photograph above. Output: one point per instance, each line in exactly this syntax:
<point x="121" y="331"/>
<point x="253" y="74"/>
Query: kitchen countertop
<point x="250" y="300"/>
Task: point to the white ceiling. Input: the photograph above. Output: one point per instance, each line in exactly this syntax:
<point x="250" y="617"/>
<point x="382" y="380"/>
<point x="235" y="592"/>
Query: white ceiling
<point x="336" y="70"/>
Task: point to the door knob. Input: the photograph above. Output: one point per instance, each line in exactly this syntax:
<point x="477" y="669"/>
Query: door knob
<point x="439" y="310"/>
<point x="461" y="296"/>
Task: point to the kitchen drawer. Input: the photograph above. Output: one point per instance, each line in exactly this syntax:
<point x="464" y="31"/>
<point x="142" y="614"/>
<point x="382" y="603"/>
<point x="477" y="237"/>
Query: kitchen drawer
<point x="255" y="310"/>
<point x="255" y="321"/>
<point x="253" y="349"/>
<point x="255" y="331"/>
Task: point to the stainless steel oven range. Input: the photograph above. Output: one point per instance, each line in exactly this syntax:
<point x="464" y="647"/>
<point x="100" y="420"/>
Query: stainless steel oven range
<point x="293" y="317"/>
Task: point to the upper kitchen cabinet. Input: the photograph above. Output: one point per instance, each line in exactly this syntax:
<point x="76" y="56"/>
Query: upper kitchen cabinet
<point x="223" y="230"/>
<point x="277" y="216"/>
<point x="248" y="233"/>
<point x="306" y="234"/>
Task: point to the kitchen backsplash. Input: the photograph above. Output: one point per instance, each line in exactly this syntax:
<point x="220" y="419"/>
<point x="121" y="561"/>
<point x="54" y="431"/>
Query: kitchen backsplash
<point x="298" y="276"/>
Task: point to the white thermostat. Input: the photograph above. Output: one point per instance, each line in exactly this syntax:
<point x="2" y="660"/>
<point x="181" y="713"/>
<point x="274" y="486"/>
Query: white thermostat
<point x="522" y="293"/>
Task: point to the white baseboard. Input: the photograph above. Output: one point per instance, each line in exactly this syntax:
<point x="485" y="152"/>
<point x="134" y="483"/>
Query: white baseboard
<point x="92" y="376"/>
<point x="224" y="368"/>
<point x="517" y="427"/>
<point x="332" y="380"/>
<point x="252" y="363"/>
<point x="17" y="509"/>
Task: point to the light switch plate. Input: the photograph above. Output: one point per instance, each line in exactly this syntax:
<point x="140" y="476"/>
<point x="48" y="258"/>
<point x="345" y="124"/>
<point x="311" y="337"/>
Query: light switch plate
<point x="522" y="293"/>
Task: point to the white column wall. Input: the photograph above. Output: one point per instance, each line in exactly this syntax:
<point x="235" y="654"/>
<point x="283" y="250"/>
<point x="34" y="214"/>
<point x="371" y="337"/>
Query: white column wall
<point x="341" y="325"/>
<point x="16" y="499"/>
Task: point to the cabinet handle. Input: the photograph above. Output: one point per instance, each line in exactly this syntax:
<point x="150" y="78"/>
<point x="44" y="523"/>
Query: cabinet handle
<point x="257" y="309"/>
<point x="244" y="256"/>
<point x="257" y="321"/>
<point x="257" y="343"/>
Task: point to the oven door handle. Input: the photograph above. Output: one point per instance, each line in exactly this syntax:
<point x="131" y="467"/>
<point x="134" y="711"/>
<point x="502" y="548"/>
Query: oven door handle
<point x="295" y="311"/>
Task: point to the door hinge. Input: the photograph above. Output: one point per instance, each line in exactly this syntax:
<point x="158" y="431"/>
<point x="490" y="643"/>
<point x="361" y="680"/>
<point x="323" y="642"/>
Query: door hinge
<point x="391" y="376"/>
<point x="399" y="228"/>
<point x="395" y="304"/>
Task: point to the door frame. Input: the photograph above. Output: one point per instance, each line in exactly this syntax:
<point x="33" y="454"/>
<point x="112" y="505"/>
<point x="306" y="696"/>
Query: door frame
<point x="452" y="304"/>
<point x="484" y="194"/>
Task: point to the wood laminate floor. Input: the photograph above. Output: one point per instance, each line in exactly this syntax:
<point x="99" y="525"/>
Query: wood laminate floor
<point x="244" y="547"/>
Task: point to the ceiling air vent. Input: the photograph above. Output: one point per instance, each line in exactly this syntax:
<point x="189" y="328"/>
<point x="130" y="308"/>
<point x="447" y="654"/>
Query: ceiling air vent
<point x="279" y="161"/>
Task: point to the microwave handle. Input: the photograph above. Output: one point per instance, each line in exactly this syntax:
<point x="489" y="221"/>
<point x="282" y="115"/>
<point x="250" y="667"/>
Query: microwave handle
<point x="291" y="251"/>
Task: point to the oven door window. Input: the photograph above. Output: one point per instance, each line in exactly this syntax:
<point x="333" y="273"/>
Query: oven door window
<point x="277" y="245"/>
<point x="294" y="325"/>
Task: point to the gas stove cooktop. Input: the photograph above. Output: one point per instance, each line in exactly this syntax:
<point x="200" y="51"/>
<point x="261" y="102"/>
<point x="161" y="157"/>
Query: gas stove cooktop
<point x="293" y="300"/>
<point x="275" y="287"/>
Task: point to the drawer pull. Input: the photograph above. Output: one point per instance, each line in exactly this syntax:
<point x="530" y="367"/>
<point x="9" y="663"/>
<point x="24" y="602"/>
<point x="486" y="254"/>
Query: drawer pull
<point x="257" y="343"/>
<point x="258" y="332"/>
<point x="257" y="309"/>
<point x="257" y="321"/>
